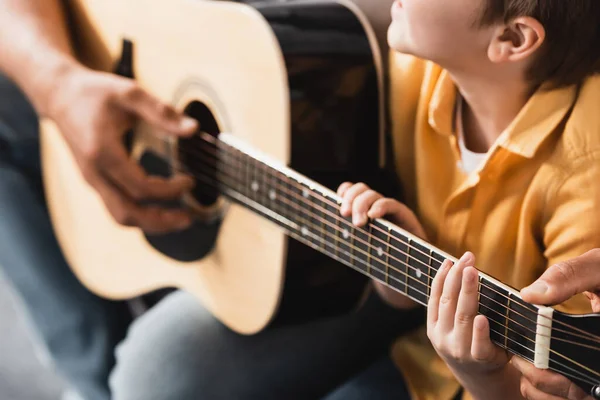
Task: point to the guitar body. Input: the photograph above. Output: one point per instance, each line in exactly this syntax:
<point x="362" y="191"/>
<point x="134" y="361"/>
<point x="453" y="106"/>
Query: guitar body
<point x="300" y="81"/>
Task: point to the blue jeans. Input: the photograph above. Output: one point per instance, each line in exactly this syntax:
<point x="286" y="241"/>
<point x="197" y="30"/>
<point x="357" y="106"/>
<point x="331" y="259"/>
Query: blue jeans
<point x="79" y="330"/>
<point x="178" y="350"/>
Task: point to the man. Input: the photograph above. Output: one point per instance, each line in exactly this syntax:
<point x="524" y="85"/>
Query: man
<point x="93" y="110"/>
<point x="557" y="284"/>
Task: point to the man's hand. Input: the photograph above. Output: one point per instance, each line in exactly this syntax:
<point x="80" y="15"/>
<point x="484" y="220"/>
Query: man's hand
<point x="564" y="280"/>
<point x="94" y="110"/>
<point x="559" y="283"/>
<point x="537" y="384"/>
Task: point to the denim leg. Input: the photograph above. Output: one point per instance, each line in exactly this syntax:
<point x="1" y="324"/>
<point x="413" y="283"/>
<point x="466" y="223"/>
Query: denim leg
<point x="79" y="330"/>
<point x="178" y="350"/>
<point x="380" y="381"/>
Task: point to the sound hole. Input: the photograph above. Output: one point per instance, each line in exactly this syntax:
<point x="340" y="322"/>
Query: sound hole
<point x="198" y="157"/>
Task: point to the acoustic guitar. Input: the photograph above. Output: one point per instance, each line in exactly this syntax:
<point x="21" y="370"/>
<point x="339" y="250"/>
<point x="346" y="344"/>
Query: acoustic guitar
<point x="290" y="100"/>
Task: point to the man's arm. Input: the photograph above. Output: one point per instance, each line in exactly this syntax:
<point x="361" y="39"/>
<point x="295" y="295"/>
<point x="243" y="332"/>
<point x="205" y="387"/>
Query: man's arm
<point x="35" y="49"/>
<point x="93" y="111"/>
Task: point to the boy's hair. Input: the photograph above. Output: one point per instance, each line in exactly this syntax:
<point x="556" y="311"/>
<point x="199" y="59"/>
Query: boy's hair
<point x="571" y="51"/>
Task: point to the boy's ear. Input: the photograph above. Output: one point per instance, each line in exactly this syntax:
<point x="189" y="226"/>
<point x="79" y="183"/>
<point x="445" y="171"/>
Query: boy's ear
<point x="517" y="40"/>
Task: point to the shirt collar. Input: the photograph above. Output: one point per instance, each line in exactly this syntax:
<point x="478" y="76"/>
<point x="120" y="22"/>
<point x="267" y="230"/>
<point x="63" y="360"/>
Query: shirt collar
<point x="540" y="116"/>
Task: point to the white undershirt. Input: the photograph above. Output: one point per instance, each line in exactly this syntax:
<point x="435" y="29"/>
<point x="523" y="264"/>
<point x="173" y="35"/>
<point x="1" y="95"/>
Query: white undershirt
<point x="470" y="160"/>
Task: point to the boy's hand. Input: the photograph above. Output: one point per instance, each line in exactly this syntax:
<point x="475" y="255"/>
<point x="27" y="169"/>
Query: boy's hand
<point x="459" y="335"/>
<point x="362" y="203"/>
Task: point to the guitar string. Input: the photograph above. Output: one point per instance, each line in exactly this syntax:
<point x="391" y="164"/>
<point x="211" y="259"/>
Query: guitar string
<point x="547" y="349"/>
<point x="503" y="315"/>
<point x="429" y="267"/>
<point x="248" y="202"/>
<point x="212" y="141"/>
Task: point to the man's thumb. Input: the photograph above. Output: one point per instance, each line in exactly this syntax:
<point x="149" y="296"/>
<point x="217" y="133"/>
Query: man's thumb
<point x="161" y="115"/>
<point x="566" y="279"/>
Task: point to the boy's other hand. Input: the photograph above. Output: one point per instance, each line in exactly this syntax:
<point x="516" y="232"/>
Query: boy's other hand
<point x="363" y="203"/>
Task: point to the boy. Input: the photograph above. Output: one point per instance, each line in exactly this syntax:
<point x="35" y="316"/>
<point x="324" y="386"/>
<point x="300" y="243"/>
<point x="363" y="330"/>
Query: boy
<point x="497" y="139"/>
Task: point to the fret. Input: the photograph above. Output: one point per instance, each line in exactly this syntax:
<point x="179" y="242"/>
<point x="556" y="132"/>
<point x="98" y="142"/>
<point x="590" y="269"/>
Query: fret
<point x="297" y="211"/>
<point x="223" y="164"/>
<point x="398" y="261"/>
<point x="252" y="183"/>
<point x="361" y="251"/>
<point x="266" y="188"/>
<point x="521" y="327"/>
<point x="493" y="301"/>
<point x="311" y="214"/>
<point x="232" y="171"/>
<point x="287" y="201"/>
<point x="236" y="175"/>
<point x="370" y="268"/>
<point x="322" y="215"/>
<point x="271" y="189"/>
<point x="310" y="225"/>
<point x="280" y="202"/>
<point x="380" y="252"/>
<point x="430" y="273"/>
<point x="507" y="314"/>
<point x="246" y="164"/>
<point x="353" y="259"/>
<point x="418" y="261"/>
<point x="436" y="263"/>
<point x="332" y="227"/>
<point x="280" y="198"/>
<point x="344" y="232"/>
<point x="387" y="257"/>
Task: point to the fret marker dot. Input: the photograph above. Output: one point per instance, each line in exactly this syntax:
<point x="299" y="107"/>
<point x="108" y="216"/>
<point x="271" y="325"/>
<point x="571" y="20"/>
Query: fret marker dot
<point x="419" y="273"/>
<point x="304" y="231"/>
<point x="272" y="194"/>
<point x="346" y="234"/>
<point x="254" y="186"/>
<point x="379" y="251"/>
<point x="305" y="193"/>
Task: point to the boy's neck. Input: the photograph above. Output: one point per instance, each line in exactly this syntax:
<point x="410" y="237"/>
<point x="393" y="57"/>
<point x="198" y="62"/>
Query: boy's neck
<point x="489" y="107"/>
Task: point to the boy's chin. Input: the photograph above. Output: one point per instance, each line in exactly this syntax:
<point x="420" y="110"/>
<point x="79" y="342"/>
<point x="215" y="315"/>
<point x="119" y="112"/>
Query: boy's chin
<point x="396" y="38"/>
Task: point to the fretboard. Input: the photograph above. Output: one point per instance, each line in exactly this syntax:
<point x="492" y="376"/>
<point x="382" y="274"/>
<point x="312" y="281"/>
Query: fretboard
<point x="310" y="213"/>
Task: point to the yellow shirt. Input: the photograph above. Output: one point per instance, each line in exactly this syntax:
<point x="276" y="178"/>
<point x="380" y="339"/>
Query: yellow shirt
<point x="533" y="202"/>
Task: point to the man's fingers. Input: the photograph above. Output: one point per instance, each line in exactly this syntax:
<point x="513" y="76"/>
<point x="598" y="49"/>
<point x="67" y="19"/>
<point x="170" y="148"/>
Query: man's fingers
<point x="547" y="381"/>
<point x="139" y="102"/>
<point x="531" y="393"/>
<point x="564" y="280"/>
<point x="129" y="177"/>
<point x="150" y="219"/>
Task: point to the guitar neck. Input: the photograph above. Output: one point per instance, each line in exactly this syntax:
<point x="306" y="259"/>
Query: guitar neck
<point x="309" y="212"/>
